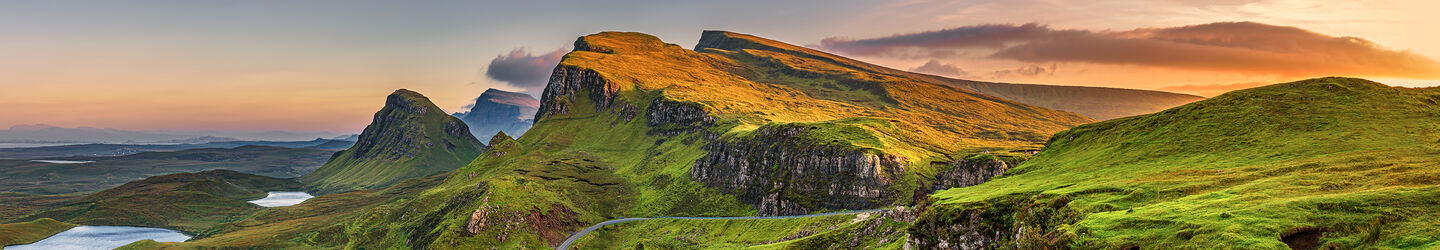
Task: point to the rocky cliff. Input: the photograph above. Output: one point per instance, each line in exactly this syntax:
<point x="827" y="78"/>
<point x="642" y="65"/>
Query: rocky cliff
<point x="782" y="172"/>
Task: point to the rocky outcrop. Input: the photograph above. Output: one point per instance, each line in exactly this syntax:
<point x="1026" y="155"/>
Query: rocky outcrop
<point x="969" y="172"/>
<point x="669" y="118"/>
<point x="781" y="172"/>
<point x="571" y="84"/>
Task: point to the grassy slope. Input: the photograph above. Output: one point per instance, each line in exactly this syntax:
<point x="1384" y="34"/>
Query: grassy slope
<point x="108" y="172"/>
<point x="409" y="138"/>
<point x="189" y="202"/>
<point x="1094" y="102"/>
<point x="1236" y="171"/>
<point x="15" y="205"/>
<point x="599" y="165"/>
<point x="688" y="234"/>
<point x="20" y="233"/>
<point x="317" y="223"/>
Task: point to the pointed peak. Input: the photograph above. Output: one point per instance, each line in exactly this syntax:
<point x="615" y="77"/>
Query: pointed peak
<point x="500" y="137"/>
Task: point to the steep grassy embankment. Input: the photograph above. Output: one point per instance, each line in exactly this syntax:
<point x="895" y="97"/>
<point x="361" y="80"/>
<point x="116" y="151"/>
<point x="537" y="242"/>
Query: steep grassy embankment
<point x="410" y="137"/>
<point x="1339" y="162"/>
<point x="189" y="202"/>
<point x="20" y="233"/>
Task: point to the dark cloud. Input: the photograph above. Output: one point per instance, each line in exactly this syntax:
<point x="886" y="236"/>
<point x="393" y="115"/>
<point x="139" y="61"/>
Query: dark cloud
<point x="935" y="67"/>
<point x="1243" y="47"/>
<point x="522" y="69"/>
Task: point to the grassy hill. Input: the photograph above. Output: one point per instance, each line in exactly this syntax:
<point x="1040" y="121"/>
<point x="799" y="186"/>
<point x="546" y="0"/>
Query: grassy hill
<point x="1336" y="162"/>
<point x="627" y="119"/>
<point x="107" y="172"/>
<point x="1099" y="103"/>
<point x="1094" y="102"/>
<point x="410" y="137"/>
<point x="189" y="202"/>
<point x="21" y="233"/>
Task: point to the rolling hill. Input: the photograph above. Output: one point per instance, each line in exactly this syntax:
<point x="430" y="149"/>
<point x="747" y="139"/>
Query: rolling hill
<point x="1329" y="162"/>
<point x="106" y="172"/>
<point x="189" y="202"/>
<point x="410" y="137"/>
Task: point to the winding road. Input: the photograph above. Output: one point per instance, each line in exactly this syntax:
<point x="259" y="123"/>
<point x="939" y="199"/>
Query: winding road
<point x="574" y="237"/>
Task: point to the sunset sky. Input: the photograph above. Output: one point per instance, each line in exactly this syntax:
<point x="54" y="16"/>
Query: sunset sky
<point x="326" y="65"/>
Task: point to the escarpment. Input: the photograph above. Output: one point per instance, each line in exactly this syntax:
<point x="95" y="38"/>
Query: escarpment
<point x="783" y="173"/>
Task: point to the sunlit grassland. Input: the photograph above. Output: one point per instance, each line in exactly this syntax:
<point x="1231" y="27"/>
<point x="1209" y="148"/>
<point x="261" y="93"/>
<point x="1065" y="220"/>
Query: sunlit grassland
<point x="1349" y="157"/>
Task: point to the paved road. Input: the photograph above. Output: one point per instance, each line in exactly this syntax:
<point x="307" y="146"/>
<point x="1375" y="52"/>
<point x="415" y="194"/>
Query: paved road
<point x="574" y="237"/>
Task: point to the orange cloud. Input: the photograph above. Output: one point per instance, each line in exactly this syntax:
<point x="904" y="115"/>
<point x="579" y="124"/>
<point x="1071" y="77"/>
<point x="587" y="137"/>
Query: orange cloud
<point x="1238" y="47"/>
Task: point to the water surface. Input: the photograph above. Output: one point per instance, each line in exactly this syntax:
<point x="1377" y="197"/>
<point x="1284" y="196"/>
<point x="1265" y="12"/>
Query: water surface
<point x="102" y="237"/>
<point x="280" y="199"/>
<point x="62" y="161"/>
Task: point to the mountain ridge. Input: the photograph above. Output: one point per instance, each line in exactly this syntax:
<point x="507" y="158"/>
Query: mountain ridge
<point x="409" y="137"/>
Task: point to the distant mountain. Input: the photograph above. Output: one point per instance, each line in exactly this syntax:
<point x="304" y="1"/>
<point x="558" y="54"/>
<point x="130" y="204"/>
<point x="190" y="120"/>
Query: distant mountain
<point x="198" y="140"/>
<point x="108" y="150"/>
<point x="410" y="137"/>
<point x="500" y="111"/>
<point x="50" y="133"/>
<point x="1098" y="103"/>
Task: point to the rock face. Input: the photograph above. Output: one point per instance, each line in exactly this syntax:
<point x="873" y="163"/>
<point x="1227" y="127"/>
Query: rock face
<point x="410" y="137"/>
<point x="783" y="173"/>
<point x="500" y="111"/>
<point x="968" y="172"/>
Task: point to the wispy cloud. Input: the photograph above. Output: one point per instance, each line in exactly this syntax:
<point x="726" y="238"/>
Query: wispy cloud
<point x="1239" y="47"/>
<point x="935" y="67"/>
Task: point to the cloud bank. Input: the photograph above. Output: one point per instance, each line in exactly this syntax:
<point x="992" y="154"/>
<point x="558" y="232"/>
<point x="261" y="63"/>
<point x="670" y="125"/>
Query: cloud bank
<point x="1240" y="47"/>
<point x="522" y="69"/>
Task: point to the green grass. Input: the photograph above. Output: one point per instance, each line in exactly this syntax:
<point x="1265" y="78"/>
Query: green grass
<point x="108" y="172"/>
<point x="21" y="233"/>
<point x="190" y="202"/>
<point x="1349" y="156"/>
<point x="707" y="234"/>
<point x="410" y="138"/>
<point x="16" y="205"/>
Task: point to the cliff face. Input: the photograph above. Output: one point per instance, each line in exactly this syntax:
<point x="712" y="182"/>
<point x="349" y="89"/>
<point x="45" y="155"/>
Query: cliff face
<point x="782" y="173"/>
<point x="500" y="111"/>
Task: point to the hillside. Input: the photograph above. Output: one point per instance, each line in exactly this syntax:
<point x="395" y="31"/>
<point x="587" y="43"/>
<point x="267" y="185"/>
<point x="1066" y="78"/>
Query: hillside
<point x="1094" y="102"/>
<point x="188" y="202"/>
<point x="20" y="233"/>
<point x="500" y="111"/>
<point x="1099" y="103"/>
<point x="1336" y="162"/>
<point x="410" y="137"/>
<point x="630" y="126"/>
<point x="107" y="172"/>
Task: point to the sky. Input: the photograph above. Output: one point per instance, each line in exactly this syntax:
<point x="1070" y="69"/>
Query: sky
<point x="327" y="65"/>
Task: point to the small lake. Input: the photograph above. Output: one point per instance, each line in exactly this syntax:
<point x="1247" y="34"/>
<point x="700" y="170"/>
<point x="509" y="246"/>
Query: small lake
<point x="103" y="237"/>
<point x="62" y="161"/>
<point x="281" y="199"/>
